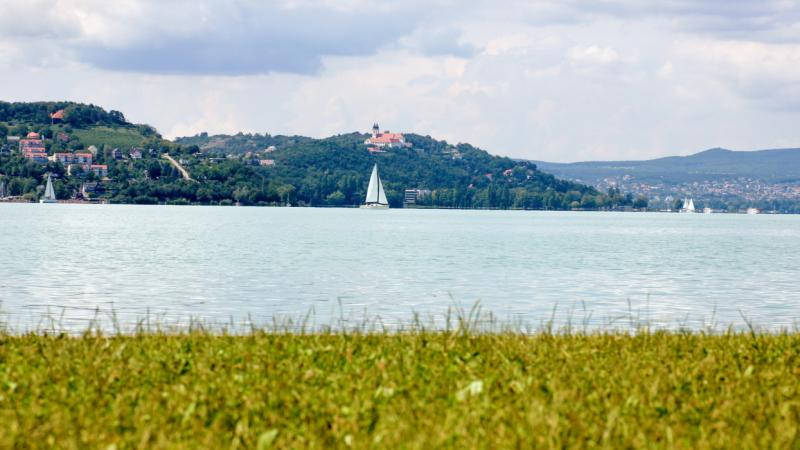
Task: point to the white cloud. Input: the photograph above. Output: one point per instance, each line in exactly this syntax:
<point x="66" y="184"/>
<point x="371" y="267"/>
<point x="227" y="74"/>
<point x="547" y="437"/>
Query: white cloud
<point x="558" y="80"/>
<point x="593" y="54"/>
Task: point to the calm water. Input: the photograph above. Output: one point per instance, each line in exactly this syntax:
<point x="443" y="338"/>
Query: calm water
<point x="73" y="263"/>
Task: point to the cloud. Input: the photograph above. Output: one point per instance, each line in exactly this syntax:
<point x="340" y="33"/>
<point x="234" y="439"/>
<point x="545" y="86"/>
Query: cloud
<point x="555" y="80"/>
<point x="212" y="37"/>
<point x="593" y="54"/>
<point x="438" y="42"/>
<point x="763" y="73"/>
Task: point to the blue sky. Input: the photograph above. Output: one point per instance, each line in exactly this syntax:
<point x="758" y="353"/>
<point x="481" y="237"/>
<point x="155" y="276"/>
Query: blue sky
<point x="554" y="80"/>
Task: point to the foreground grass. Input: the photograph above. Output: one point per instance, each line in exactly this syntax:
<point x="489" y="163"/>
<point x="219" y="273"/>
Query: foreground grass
<point x="416" y="390"/>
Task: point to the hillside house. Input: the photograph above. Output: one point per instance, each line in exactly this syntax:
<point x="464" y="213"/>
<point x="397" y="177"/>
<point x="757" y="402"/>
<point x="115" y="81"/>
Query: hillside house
<point x="57" y="117"/>
<point x="386" y="139"/>
<point x="90" y="189"/>
<point x="266" y="162"/>
<point x="136" y="154"/>
<point x="99" y="170"/>
<point x="32" y="147"/>
<point x="72" y="158"/>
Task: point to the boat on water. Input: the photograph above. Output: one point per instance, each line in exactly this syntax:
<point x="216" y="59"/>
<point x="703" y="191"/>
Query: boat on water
<point x="688" y="206"/>
<point x="708" y="210"/>
<point x="376" y="195"/>
<point x="49" y="192"/>
<point x="753" y="211"/>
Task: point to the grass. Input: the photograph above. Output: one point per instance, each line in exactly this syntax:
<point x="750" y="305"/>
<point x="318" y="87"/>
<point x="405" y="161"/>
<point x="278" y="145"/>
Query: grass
<point x="400" y="390"/>
<point x="112" y="137"/>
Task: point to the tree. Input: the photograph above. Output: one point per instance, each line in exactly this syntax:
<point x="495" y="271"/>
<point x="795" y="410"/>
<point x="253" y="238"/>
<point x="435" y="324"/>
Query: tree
<point x="19" y="130"/>
<point x="640" y="202"/>
<point x="336" y="198"/>
<point x="154" y="170"/>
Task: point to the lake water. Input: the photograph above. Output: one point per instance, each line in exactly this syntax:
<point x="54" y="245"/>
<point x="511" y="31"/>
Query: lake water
<point x="64" y="265"/>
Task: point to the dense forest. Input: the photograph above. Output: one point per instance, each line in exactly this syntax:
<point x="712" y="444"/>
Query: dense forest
<point x="254" y="169"/>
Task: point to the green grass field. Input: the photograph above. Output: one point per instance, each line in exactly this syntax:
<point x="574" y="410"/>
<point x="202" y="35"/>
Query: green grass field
<point x="405" y="390"/>
<point x="112" y="137"/>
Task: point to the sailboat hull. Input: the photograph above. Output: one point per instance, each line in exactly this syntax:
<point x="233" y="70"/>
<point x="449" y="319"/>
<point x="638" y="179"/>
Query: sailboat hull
<point x="45" y="200"/>
<point x="374" y="206"/>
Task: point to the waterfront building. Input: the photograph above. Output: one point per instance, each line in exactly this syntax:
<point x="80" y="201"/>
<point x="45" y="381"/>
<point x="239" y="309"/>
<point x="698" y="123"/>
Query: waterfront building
<point x="411" y="196"/>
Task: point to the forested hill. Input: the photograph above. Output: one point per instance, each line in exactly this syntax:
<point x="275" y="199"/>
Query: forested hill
<point x="128" y="164"/>
<point x="335" y="171"/>
<point x="779" y="165"/>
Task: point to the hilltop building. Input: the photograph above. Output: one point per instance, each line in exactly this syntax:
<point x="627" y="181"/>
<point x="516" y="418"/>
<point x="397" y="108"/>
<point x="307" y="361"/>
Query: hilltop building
<point x="386" y="139"/>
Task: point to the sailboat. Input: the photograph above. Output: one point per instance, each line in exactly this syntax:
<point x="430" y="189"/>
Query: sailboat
<point x="376" y="195"/>
<point x="49" y="192"/>
<point x="688" y="206"/>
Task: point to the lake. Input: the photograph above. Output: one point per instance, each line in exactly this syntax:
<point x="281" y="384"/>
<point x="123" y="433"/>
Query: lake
<point x="63" y="266"/>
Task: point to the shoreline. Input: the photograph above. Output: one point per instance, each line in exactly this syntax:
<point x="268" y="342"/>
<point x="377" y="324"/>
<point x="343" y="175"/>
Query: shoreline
<point x="83" y="202"/>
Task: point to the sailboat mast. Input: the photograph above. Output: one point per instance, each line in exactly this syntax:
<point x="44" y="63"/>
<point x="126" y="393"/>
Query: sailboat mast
<point x="378" y="191"/>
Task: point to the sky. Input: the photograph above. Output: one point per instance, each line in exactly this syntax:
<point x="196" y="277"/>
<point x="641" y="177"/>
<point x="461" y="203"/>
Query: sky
<point x="566" y="80"/>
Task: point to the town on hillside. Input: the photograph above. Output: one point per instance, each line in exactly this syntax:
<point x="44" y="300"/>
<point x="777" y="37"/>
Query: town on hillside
<point x="91" y="171"/>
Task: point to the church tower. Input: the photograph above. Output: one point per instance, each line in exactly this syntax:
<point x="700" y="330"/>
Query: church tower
<point x="375" y="130"/>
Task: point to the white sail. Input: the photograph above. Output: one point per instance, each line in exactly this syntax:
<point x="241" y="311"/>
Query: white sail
<point x="381" y="193"/>
<point x="372" y="189"/>
<point x="49" y="192"/>
<point x="691" y="205"/>
<point x="375" y="191"/>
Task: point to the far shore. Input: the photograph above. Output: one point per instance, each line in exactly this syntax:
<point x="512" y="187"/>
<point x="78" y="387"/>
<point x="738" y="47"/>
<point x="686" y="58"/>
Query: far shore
<point x="630" y="210"/>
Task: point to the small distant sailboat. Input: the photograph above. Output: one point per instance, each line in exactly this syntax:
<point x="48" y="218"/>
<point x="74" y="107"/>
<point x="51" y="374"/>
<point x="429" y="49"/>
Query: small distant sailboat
<point x="753" y="211"/>
<point x="376" y="195"/>
<point x="708" y="210"/>
<point x="49" y="192"/>
<point x="688" y="205"/>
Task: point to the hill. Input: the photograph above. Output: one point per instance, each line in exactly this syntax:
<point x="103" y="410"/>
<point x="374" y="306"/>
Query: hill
<point x="127" y="165"/>
<point x="335" y="171"/>
<point x="722" y="178"/>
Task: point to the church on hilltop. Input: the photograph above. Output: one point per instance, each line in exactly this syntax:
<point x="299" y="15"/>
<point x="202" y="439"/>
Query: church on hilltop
<point x="386" y="139"/>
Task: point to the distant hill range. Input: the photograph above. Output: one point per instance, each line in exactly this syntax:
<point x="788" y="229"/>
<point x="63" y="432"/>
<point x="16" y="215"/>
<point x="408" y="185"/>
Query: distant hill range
<point x="715" y="176"/>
